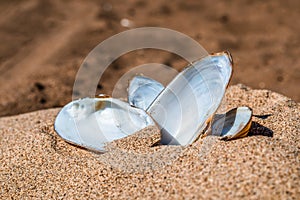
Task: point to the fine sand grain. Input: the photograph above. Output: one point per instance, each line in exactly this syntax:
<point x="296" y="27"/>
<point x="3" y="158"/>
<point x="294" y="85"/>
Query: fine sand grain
<point x="35" y="162"/>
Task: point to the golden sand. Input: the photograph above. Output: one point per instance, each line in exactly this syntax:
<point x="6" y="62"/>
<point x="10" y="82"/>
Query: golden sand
<point x="35" y="162"/>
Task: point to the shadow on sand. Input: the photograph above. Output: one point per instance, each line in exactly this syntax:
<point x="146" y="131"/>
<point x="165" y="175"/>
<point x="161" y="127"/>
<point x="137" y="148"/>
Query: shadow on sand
<point x="258" y="129"/>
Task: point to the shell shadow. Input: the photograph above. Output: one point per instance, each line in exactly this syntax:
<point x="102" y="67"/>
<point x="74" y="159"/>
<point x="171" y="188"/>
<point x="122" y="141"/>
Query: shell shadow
<point x="258" y="129"/>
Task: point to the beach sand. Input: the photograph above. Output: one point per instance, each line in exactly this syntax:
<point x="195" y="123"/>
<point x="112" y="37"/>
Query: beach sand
<point x="35" y="162"/>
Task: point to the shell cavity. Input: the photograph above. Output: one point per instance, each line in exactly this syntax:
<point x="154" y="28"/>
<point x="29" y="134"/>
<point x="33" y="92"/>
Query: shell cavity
<point x="142" y="91"/>
<point x="92" y="122"/>
<point x="234" y="124"/>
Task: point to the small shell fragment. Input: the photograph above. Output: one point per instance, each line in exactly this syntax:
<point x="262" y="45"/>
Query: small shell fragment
<point x="92" y="122"/>
<point x="234" y="124"/>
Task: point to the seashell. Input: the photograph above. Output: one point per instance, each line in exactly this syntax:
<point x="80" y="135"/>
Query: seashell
<point x="183" y="108"/>
<point x="142" y="91"/>
<point x="92" y="122"/>
<point x="231" y="125"/>
<point x="234" y="124"/>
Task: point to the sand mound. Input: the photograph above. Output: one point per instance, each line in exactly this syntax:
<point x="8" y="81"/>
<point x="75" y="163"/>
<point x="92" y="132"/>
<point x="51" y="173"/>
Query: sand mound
<point x="35" y="162"/>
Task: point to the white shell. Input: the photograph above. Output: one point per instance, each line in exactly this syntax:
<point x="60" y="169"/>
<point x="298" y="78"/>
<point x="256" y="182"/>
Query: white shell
<point x="92" y="122"/>
<point x="142" y="91"/>
<point x="183" y="107"/>
<point x="234" y="124"/>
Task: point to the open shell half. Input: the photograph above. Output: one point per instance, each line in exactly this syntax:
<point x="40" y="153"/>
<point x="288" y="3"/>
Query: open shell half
<point x="142" y="91"/>
<point x="234" y="124"/>
<point x="92" y="122"/>
<point x="183" y="107"/>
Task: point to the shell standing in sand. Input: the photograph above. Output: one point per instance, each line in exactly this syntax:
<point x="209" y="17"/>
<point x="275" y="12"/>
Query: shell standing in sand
<point x="194" y="94"/>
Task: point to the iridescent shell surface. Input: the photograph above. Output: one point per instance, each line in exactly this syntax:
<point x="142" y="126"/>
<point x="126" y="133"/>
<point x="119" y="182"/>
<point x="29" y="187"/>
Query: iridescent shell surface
<point x="142" y="91"/>
<point x="234" y="124"/>
<point x="183" y="107"/>
<point x="92" y="122"/>
<point x="231" y="125"/>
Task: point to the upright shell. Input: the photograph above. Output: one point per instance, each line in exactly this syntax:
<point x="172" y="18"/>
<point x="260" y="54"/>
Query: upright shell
<point x="191" y="98"/>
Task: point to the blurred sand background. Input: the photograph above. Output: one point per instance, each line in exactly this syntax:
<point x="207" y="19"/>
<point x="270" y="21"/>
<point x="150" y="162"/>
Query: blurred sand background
<point x="44" y="42"/>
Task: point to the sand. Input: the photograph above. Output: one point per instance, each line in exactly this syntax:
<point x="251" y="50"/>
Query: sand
<point x="43" y="44"/>
<point x="36" y="163"/>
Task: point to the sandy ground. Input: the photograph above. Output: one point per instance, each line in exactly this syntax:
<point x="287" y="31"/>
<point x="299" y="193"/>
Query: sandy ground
<point x="44" y="42"/>
<point x="35" y="162"/>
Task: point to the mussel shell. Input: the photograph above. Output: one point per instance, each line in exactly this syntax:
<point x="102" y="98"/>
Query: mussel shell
<point x="231" y="125"/>
<point x="92" y="122"/>
<point x="234" y="124"/>
<point x="183" y="107"/>
<point x="142" y="91"/>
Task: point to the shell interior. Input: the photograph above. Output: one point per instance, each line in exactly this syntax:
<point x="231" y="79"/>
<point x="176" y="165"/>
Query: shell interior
<point x="92" y="122"/>
<point x="142" y="91"/>
<point x="183" y="107"/>
<point x="234" y="124"/>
